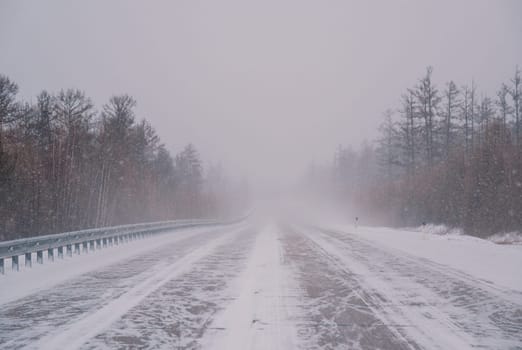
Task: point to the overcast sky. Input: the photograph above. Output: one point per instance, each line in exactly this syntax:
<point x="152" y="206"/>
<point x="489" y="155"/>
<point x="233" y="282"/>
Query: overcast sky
<point x="265" y="87"/>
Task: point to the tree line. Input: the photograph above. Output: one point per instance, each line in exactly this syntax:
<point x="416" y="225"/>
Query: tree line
<point x="66" y="166"/>
<point x="447" y="155"/>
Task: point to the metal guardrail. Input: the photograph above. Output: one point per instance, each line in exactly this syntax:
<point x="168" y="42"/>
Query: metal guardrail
<point x="87" y="240"/>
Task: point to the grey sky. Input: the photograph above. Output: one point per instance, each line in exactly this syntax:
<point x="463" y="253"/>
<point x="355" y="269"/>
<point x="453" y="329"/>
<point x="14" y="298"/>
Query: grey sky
<point x="264" y="87"/>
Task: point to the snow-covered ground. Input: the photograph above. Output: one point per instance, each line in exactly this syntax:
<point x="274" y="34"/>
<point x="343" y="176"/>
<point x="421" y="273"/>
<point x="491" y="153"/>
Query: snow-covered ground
<point x="272" y="285"/>
<point x="494" y="263"/>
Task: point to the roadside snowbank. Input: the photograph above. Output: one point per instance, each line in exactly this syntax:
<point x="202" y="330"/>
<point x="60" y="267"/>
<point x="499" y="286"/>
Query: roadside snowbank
<point x="450" y="232"/>
<point x="507" y="238"/>
<point x="437" y="230"/>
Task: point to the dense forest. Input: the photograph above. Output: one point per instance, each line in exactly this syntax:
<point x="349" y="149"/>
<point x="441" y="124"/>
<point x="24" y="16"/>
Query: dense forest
<point x="66" y="166"/>
<point x="447" y="155"/>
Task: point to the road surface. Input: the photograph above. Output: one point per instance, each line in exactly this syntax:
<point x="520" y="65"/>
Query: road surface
<point x="255" y="285"/>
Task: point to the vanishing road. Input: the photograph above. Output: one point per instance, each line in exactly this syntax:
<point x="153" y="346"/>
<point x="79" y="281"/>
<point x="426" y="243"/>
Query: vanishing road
<point x="255" y="285"/>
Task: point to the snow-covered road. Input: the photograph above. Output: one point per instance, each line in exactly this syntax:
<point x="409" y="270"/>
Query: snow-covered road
<point x="261" y="285"/>
<point x="424" y="304"/>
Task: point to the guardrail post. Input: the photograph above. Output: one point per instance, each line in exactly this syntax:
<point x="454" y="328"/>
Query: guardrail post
<point x="92" y="246"/>
<point x="98" y="243"/>
<point x="85" y="247"/>
<point x="60" y="252"/>
<point x="14" y="263"/>
<point x="69" y="250"/>
<point x="39" y="257"/>
<point x="2" y="268"/>
<point x="28" y="262"/>
<point x="50" y="254"/>
<point x="77" y="248"/>
<point x="104" y="242"/>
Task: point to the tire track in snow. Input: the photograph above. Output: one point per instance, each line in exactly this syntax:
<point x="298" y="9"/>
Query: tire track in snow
<point x="437" y="299"/>
<point x="24" y="321"/>
<point x="507" y="294"/>
<point x="74" y="335"/>
<point x="177" y="315"/>
<point x="338" y="313"/>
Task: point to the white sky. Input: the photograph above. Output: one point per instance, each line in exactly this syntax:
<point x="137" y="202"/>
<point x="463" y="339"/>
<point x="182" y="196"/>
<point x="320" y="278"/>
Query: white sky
<point x="265" y="87"/>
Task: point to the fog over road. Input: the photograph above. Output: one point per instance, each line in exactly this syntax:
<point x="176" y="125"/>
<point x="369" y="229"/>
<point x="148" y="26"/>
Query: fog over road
<point x="260" y="284"/>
